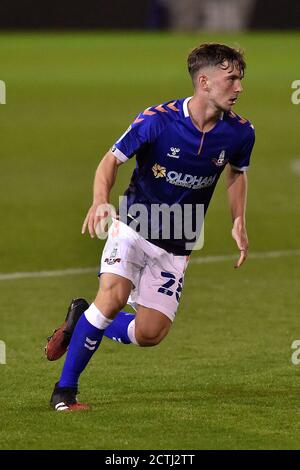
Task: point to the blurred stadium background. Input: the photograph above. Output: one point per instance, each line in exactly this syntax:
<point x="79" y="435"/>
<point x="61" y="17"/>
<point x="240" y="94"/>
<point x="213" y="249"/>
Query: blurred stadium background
<point x="75" y="78"/>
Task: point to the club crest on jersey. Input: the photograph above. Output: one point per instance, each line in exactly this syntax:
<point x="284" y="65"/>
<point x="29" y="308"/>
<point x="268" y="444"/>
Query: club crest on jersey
<point x="113" y="259"/>
<point x="221" y="160"/>
<point x="174" y="152"/>
<point x="159" y="171"/>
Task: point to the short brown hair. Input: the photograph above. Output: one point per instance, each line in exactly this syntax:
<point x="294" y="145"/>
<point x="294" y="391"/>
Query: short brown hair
<point x="213" y="54"/>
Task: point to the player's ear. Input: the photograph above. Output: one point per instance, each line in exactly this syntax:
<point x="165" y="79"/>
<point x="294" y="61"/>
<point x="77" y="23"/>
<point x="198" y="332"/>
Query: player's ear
<point x="203" y="82"/>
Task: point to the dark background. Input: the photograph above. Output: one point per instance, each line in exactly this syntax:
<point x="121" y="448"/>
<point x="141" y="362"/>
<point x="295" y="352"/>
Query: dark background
<point x="124" y="14"/>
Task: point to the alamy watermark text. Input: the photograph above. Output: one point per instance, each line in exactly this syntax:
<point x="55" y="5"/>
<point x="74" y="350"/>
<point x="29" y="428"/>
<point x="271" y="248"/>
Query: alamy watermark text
<point x="184" y="222"/>
<point x="2" y="92"/>
<point x="2" y="352"/>
<point x="295" y="98"/>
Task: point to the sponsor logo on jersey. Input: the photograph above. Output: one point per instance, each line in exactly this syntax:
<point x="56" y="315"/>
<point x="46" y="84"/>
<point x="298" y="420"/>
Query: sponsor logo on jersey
<point x="190" y="181"/>
<point x="174" y="152"/>
<point x="183" y="179"/>
<point x="159" y="171"/>
<point x="221" y="160"/>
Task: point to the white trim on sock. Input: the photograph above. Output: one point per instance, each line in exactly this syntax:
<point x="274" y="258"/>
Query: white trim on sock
<point x="96" y="318"/>
<point x="131" y="332"/>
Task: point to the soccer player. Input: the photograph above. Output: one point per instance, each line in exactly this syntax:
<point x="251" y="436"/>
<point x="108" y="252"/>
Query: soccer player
<point x="181" y="148"/>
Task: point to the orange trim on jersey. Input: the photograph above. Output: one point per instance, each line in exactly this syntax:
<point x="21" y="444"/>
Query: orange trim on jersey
<point x="161" y="109"/>
<point x="138" y="120"/>
<point x="241" y="119"/>
<point x="147" y="112"/>
<point x="171" y="106"/>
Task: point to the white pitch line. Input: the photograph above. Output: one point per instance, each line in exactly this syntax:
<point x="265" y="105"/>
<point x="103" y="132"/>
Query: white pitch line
<point x="255" y="255"/>
<point x="39" y="274"/>
<point x="199" y="260"/>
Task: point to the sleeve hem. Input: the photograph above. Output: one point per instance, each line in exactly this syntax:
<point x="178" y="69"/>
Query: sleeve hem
<point x="243" y="168"/>
<point x="119" y="155"/>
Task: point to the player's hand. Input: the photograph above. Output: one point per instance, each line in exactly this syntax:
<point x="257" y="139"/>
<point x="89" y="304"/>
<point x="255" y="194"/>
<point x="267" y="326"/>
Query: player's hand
<point x="239" y="234"/>
<point x="97" y="218"/>
<point x="90" y="221"/>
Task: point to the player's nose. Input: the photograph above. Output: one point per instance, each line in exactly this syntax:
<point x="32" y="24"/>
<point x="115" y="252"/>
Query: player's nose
<point x="239" y="87"/>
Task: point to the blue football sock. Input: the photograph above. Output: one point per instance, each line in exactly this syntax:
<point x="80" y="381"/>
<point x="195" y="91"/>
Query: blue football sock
<point x="85" y="341"/>
<point x="117" y="330"/>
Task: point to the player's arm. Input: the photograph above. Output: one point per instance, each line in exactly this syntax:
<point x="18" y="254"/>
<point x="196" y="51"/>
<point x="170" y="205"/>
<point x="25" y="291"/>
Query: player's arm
<point x="103" y="182"/>
<point x="142" y="131"/>
<point x="237" y="196"/>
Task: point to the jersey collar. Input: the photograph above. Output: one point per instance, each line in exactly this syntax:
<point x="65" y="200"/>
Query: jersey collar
<point x="185" y="106"/>
<point x="186" y="110"/>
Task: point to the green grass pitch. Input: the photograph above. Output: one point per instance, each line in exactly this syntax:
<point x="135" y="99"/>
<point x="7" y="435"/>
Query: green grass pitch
<point x="223" y="378"/>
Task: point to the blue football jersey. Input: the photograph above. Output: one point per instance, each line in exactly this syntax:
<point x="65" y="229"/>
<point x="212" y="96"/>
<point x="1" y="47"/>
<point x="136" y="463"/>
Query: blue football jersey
<point x="178" y="164"/>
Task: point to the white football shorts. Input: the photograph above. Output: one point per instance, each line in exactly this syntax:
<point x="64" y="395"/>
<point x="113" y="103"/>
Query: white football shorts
<point x="157" y="276"/>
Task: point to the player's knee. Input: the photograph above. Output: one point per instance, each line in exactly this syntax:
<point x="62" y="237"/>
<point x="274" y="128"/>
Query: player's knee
<point x="145" y="340"/>
<point x="148" y="337"/>
<point x="111" y="298"/>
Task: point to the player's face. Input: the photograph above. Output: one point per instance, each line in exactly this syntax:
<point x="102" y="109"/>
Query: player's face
<point x="224" y="86"/>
